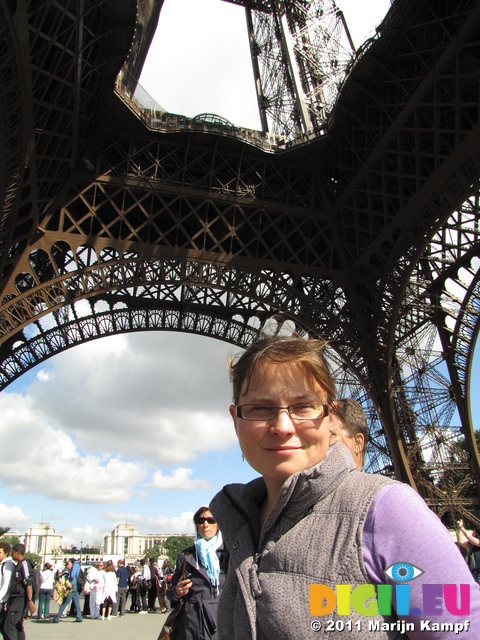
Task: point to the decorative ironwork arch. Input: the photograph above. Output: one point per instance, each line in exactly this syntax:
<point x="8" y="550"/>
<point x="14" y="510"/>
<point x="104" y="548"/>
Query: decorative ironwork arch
<point x="119" y="218"/>
<point x="185" y="285"/>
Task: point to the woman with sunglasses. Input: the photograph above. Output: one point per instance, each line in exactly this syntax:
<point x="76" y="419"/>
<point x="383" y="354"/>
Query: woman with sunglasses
<point x="313" y="521"/>
<point x="198" y="578"/>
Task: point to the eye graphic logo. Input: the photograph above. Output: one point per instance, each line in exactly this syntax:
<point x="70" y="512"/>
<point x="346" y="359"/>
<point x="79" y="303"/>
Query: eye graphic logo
<point x="403" y="572"/>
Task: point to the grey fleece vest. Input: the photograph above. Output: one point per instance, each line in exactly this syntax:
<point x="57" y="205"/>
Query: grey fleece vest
<point x="313" y="535"/>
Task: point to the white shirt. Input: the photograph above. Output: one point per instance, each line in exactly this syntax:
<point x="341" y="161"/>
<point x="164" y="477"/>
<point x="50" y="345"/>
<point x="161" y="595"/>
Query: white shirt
<point x="111" y="585"/>
<point x="47" y="578"/>
<point x="98" y="585"/>
<point x="92" y="576"/>
<point x="6" y="571"/>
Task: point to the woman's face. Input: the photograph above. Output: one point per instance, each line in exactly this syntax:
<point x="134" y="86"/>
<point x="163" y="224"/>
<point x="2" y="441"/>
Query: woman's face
<point x="280" y="447"/>
<point x="206" y="529"/>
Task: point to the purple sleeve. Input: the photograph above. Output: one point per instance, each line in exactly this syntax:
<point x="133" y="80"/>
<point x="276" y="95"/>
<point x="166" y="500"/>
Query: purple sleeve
<point x="400" y="528"/>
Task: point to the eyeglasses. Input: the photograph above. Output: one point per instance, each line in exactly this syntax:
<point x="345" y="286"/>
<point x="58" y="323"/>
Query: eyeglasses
<point x="203" y="520"/>
<point x="266" y="412"/>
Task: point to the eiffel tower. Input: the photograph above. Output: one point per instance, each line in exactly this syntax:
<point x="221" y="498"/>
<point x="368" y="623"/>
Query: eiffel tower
<point x="352" y="214"/>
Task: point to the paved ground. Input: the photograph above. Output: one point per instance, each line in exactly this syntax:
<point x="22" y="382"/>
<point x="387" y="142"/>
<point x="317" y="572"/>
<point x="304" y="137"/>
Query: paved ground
<point x="130" y="627"/>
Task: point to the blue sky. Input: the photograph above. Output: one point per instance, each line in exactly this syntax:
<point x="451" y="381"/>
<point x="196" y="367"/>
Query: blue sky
<point x="132" y="427"/>
<point x="136" y="427"/>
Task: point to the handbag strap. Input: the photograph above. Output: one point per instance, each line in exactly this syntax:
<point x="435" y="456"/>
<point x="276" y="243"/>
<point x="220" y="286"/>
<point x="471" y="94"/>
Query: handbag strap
<point x="165" y="633"/>
<point x="184" y="565"/>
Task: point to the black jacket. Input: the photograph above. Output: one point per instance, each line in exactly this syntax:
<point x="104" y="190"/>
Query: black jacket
<point x="198" y="618"/>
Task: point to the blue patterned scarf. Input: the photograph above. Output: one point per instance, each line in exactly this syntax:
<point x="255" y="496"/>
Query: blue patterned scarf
<point x="206" y="553"/>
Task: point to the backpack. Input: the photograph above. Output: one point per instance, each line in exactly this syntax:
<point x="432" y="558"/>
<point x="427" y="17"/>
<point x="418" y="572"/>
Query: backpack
<point x="80" y="581"/>
<point x="36" y="579"/>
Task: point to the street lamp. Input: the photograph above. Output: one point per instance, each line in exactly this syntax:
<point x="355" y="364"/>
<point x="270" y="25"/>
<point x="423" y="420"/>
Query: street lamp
<point x="81" y="543"/>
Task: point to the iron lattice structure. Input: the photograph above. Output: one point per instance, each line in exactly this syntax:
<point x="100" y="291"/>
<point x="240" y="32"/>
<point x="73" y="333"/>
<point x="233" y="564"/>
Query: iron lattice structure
<point x="300" y="52"/>
<point x="359" y="222"/>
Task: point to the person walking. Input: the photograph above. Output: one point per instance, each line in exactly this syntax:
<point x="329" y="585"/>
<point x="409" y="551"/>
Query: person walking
<point x="86" y="594"/>
<point x="96" y="576"/>
<point x="144" y="585"/>
<point x="74" y="569"/>
<point x="20" y="600"/>
<point x="47" y="583"/>
<point x="134" y="588"/>
<point x="152" y="590"/>
<point x="7" y="567"/>
<point x="110" y="594"/>
<point x="162" y="587"/>
<point x="122" y="578"/>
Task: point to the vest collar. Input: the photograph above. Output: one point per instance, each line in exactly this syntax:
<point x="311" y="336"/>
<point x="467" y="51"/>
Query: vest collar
<point x="299" y="493"/>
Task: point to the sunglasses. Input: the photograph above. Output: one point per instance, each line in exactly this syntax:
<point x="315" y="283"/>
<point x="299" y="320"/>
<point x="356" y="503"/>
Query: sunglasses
<point x="209" y="520"/>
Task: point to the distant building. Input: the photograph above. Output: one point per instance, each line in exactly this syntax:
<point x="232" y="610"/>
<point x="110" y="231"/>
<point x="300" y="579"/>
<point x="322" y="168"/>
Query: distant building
<point x="42" y="540"/>
<point x="126" y="542"/>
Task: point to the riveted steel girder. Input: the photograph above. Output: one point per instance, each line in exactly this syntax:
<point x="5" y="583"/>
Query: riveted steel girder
<point x="366" y="231"/>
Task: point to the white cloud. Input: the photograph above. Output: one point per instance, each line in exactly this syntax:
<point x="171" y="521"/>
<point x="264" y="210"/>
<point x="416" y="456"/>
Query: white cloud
<point x="179" y="479"/>
<point x="83" y="536"/>
<point x="99" y="419"/>
<point x="13" y="517"/>
<point x="43" y="376"/>
<point x="156" y="524"/>
<point x="139" y="397"/>
<point x="44" y="460"/>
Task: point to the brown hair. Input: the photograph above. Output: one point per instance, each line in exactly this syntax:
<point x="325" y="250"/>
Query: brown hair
<point x="276" y="350"/>
<point x="353" y="419"/>
<point x="6" y="546"/>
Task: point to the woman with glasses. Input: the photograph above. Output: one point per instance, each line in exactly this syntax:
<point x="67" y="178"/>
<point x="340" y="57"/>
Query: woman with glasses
<point x="313" y="521"/>
<point x="198" y="578"/>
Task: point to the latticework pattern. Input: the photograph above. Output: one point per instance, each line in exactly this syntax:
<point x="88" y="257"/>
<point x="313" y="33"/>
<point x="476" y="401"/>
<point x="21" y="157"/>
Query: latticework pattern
<point x="356" y="219"/>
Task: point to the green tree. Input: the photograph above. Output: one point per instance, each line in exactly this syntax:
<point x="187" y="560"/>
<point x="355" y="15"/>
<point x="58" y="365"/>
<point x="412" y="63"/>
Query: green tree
<point x="89" y="550"/>
<point x="34" y="557"/>
<point x="13" y="540"/>
<point x="154" y="552"/>
<point x="175" y="545"/>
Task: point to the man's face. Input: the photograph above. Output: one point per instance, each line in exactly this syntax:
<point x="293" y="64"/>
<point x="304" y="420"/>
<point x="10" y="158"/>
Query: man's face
<point x="16" y="556"/>
<point x="3" y="555"/>
<point x="69" y="565"/>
